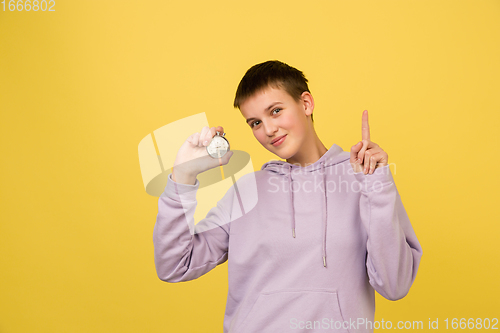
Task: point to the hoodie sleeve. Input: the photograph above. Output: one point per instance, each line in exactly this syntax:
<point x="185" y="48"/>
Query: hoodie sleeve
<point x="393" y="251"/>
<point x="184" y="251"/>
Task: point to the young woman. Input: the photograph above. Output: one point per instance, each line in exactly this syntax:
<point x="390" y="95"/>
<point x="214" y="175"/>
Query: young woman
<point x="327" y="230"/>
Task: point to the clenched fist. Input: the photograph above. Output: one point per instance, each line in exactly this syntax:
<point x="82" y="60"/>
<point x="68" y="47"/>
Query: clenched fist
<point x="192" y="158"/>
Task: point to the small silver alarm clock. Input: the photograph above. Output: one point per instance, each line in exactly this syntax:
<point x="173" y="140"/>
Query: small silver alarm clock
<point x="218" y="146"/>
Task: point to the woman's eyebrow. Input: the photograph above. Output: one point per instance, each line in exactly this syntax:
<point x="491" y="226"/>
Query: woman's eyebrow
<point x="265" y="110"/>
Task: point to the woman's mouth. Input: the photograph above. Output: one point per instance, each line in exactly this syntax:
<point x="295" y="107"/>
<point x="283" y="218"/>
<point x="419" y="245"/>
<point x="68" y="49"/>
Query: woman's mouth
<point x="279" y="141"/>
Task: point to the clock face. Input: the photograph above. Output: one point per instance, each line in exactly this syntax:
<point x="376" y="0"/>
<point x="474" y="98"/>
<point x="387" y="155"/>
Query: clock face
<point x="218" y="147"/>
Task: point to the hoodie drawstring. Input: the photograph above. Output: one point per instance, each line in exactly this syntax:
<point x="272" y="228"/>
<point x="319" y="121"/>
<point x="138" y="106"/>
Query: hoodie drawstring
<point x="291" y="201"/>
<point x="333" y="156"/>
<point x="325" y="219"/>
<point x="326" y="213"/>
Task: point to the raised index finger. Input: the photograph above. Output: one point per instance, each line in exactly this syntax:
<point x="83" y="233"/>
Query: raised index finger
<point x="365" y="128"/>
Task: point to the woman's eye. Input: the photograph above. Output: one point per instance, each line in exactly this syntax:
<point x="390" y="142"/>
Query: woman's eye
<point x="255" y="123"/>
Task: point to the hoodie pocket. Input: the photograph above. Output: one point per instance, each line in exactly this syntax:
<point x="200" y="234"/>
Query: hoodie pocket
<point x="294" y="310"/>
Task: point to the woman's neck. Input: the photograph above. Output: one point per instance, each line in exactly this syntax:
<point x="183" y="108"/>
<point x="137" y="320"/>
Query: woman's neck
<point x="309" y="153"/>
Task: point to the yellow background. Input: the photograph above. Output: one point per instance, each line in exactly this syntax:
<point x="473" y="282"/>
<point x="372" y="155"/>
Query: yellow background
<point x="81" y="86"/>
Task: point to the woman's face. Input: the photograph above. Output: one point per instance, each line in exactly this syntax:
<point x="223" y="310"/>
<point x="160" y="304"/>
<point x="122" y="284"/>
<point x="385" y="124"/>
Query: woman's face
<point x="273" y="113"/>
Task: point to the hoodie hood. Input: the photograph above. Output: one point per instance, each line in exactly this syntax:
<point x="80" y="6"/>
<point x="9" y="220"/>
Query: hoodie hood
<point x="334" y="155"/>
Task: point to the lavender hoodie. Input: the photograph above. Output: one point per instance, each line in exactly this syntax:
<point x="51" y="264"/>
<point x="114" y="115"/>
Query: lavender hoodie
<point x="308" y="257"/>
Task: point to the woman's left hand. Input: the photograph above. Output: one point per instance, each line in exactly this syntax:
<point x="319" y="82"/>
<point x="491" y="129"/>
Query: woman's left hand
<point x="366" y="155"/>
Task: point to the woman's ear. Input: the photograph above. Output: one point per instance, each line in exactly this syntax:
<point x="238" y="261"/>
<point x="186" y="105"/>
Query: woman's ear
<point x="307" y="102"/>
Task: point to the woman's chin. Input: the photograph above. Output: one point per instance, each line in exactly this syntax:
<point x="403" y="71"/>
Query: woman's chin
<point x="282" y="151"/>
<point x="283" y="154"/>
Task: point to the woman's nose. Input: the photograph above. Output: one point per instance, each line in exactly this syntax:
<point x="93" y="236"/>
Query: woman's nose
<point x="270" y="128"/>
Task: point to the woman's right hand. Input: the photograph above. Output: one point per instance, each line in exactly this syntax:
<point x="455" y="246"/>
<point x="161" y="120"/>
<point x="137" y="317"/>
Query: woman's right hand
<point x="192" y="158"/>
